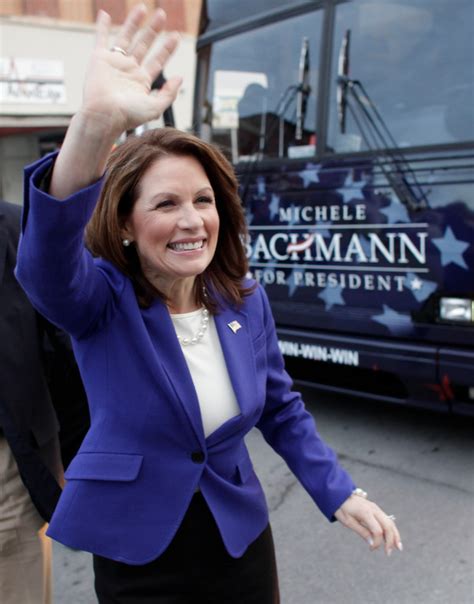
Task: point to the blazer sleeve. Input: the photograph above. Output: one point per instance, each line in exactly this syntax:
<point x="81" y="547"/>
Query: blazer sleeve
<point x="291" y="431"/>
<point x="55" y="269"/>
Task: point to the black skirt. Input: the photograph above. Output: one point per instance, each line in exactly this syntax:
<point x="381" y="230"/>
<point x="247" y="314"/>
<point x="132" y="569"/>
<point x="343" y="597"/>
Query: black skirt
<point x="195" y="568"/>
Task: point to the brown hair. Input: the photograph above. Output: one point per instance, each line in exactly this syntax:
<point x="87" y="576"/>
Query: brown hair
<point x="126" y="167"/>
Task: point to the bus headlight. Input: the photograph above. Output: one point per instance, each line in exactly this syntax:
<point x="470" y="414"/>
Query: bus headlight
<point x="456" y="309"/>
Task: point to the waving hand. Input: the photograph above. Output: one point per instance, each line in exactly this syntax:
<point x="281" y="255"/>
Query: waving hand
<point x="119" y="78"/>
<point x="117" y="96"/>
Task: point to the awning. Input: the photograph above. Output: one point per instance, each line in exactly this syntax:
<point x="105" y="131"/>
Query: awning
<point x="14" y="125"/>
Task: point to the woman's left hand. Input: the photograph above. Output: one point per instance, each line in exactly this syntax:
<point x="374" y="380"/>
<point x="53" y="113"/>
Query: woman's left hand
<point x="119" y="78"/>
<point x="117" y="96"/>
<point x="371" y="523"/>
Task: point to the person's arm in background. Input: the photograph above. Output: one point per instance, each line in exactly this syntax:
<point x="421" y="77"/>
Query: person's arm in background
<point x="28" y="421"/>
<point x="66" y="389"/>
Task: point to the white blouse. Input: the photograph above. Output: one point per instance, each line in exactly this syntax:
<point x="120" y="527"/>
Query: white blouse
<point x="208" y="369"/>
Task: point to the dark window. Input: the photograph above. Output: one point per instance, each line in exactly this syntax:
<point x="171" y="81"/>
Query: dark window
<point x="227" y="12"/>
<point x="252" y="98"/>
<point x="413" y="58"/>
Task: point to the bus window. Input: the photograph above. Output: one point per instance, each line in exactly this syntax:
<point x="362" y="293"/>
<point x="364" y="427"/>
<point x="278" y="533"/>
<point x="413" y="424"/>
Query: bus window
<point x="221" y="13"/>
<point x="412" y="66"/>
<point x="253" y="90"/>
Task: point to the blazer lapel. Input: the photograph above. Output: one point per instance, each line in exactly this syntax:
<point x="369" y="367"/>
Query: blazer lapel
<point x="237" y="349"/>
<point x="238" y="353"/>
<point x="171" y="358"/>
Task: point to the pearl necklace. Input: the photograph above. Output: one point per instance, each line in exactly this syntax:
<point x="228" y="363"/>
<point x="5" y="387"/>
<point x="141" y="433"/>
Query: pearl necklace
<point x="198" y="336"/>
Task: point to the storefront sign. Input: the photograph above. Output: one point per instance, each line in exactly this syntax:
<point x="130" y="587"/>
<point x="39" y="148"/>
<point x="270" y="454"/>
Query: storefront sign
<point x="31" y="81"/>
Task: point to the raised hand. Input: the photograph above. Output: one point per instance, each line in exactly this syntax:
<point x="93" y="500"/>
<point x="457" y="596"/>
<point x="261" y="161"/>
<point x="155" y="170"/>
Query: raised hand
<point x="118" y="82"/>
<point x="117" y="97"/>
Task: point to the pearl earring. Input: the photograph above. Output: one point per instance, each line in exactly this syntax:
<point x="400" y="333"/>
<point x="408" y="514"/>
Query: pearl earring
<point x="126" y="242"/>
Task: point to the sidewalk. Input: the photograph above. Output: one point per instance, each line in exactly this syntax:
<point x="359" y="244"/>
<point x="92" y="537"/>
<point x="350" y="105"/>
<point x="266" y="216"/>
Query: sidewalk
<point x="72" y="576"/>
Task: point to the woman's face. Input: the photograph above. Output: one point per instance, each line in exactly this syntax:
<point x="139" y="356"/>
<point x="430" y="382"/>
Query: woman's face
<point x="174" y="223"/>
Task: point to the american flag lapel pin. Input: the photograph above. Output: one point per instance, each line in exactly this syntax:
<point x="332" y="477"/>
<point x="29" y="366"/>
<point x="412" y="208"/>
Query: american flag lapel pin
<point x="234" y="325"/>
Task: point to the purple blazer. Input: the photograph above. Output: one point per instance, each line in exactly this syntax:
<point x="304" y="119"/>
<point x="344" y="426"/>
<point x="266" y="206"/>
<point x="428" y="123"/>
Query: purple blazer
<point x="145" y="454"/>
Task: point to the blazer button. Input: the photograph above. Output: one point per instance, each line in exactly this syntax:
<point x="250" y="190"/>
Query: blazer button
<point x="198" y="456"/>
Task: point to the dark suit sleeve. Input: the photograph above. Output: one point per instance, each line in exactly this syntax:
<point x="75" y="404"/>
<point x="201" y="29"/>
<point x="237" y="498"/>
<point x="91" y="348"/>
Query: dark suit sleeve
<point x="12" y="213"/>
<point x="66" y="390"/>
<point x="291" y="431"/>
<point x="27" y="417"/>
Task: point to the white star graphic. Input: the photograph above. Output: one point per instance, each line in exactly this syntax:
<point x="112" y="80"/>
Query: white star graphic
<point x="451" y="249"/>
<point x="292" y="285"/>
<point x="274" y="206"/>
<point x="395" y="322"/>
<point x="420" y="288"/>
<point x="416" y="283"/>
<point x="332" y="296"/>
<point x="261" y="186"/>
<point x="352" y="189"/>
<point x="309" y="175"/>
<point x="395" y="211"/>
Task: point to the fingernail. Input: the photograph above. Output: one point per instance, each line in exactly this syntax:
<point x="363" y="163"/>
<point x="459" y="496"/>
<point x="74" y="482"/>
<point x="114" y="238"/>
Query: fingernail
<point x="400" y="546"/>
<point x="370" y="541"/>
<point x="389" y="552"/>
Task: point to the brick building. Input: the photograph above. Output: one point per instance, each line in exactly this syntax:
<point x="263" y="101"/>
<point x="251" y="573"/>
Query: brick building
<point x="183" y="15"/>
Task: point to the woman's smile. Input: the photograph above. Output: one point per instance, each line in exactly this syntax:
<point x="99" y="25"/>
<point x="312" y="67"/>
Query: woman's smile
<point x="187" y="246"/>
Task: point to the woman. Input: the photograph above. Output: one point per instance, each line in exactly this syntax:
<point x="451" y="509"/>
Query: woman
<point x="177" y="350"/>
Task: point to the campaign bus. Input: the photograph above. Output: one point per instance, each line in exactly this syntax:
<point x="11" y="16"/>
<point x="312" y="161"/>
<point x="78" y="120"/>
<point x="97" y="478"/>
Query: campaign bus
<point x="350" y="125"/>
